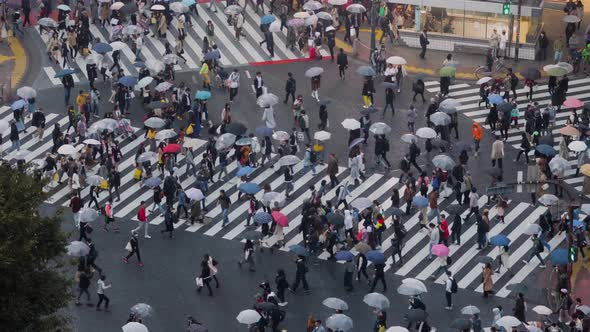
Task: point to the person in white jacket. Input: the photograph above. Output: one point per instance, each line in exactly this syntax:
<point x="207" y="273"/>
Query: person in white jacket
<point x="348" y="224"/>
<point x="497" y="152"/>
<point x="434" y="238"/>
<point x="269" y="117"/>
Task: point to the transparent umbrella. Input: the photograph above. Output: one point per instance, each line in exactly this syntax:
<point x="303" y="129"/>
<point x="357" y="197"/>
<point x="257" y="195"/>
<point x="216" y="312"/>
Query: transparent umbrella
<point x="314" y="71"/>
<point x="313" y="5"/>
<point x="154" y="122"/>
<point x="134" y="327"/>
<point x="449" y="105"/>
<point x="361" y="203"/>
<point x="335" y="303"/>
<point x="380" y="128"/>
<point x="409" y="290"/>
<point x="88" y="214"/>
<point x="444" y="162"/>
<point x="166" y="134"/>
<point x="225" y="141"/>
<point x="288" y="160"/>
<point x="440" y="119"/>
<point x="267" y="99"/>
<point x="142" y="309"/>
<point x="26" y="92"/>
<point x="77" y="249"/>
<point x="94" y="180"/>
<point x="339" y="322"/>
<point x="147" y="156"/>
<point x="281" y="136"/>
<point x="376" y="300"/>
<point x="470" y="310"/>
<point x="409" y="138"/>
<point x="426" y="132"/>
<point x="194" y="194"/>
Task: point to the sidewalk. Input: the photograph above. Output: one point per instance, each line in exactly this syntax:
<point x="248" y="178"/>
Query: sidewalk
<point x="13" y="65"/>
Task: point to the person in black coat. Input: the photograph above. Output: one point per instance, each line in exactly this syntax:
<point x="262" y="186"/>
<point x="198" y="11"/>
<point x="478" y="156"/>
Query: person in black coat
<point x="418" y="88"/>
<point x="258" y="84"/>
<point x="379" y="275"/>
<point x="39" y="122"/>
<point x="543" y="44"/>
<point x="423" y="43"/>
<point x="282" y="285"/>
<point x="300" y="272"/>
<point x="456" y="230"/>
<point x="206" y="276"/>
<point x="342" y="62"/>
<point x="331" y="43"/>
<point x="134" y="243"/>
<point x="83" y="285"/>
<point x="290" y="88"/>
<point x="323" y="114"/>
<point x="92" y="73"/>
<point x="389" y="98"/>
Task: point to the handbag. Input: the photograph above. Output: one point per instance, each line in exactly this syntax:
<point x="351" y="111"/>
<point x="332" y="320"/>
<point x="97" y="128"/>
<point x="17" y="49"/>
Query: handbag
<point x="104" y="185"/>
<point x="128" y="247"/>
<point x="199" y="282"/>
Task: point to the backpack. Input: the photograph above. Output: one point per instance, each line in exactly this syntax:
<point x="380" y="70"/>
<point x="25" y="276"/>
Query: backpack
<point x="449" y="261"/>
<point x="312" y="156"/>
<point x="454" y="286"/>
<point x="540" y="247"/>
<point x="256" y="204"/>
<point x="404" y="165"/>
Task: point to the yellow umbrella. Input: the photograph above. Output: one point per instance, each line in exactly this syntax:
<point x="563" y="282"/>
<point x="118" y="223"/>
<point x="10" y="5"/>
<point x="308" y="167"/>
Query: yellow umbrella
<point x="585" y="169"/>
<point x="569" y="131"/>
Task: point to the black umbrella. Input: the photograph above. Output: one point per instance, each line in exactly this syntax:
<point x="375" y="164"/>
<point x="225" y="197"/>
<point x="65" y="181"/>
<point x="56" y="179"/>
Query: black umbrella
<point x="547" y="139"/>
<point x="454" y="209"/>
<point x="236" y="128"/>
<point x="129" y="8"/>
<point x="397" y="212"/>
<point x="266" y="306"/>
<point x="325" y="102"/>
<point x="335" y="219"/>
<point x="461" y="324"/>
<point x="531" y="73"/>
<point x="252" y="235"/>
<point x="485" y="259"/>
<point x="518" y="288"/>
<point x="504" y="107"/>
<point x="416" y="315"/>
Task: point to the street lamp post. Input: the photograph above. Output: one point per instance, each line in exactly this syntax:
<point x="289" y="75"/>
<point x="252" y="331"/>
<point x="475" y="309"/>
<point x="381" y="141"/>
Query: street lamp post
<point x="375" y="3"/>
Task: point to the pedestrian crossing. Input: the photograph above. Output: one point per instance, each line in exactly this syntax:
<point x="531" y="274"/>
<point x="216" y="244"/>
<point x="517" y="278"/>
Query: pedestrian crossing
<point x="233" y="53"/>
<point x="468" y="96"/>
<point x="376" y="186"/>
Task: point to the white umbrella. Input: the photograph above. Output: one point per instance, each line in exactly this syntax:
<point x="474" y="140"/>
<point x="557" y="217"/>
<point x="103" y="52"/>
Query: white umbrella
<point x="585" y="208"/>
<point x="324" y="16"/>
<point x="147" y="156"/>
<point x="134" y="327"/>
<point x="155" y="65"/>
<point x="483" y="80"/>
<point x="322" y="135"/>
<point x="281" y="135"/>
<point x="301" y="15"/>
<point x="142" y="309"/>
<point x="145" y="82"/>
<point x="571" y="19"/>
<point x="396" y="60"/>
<point x="356" y="8"/>
<point x="118" y="45"/>
<point x="232" y="10"/>
<point x="179" y="7"/>
<point x="171" y="59"/>
<point x="351" y="124"/>
<point x="248" y="317"/>
<point x="376" y="300"/>
<point x="409" y="138"/>
<point x="26" y="92"/>
<point x="566" y="65"/>
<point x="91" y="141"/>
<point x="335" y="303"/>
<point x="194" y="194"/>
<point x="416" y="283"/>
<point x="131" y="30"/>
<point x="426" y="132"/>
<point x="288" y="160"/>
<point x="158" y="7"/>
<point x="444" y="162"/>
<point x="558" y="164"/>
<point x="397" y="329"/>
<point x="508" y="322"/>
<point x="312" y="20"/>
<point x="361" y="203"/>
<point x="165" y="134"/>
<point x="94" y="180"/>
<point x="470" y="310"/>
<point x="548" y="199"/>
<point x="314" y="71"/>
<point x="100" y="125"/>
<point x="409" y="290"/>
<point x="38" y="163"/>
<point x="532" y="229"/>
<point x="339" y="322"/>
<point x="154" y="122"/>
<point x="380" y="128"/>
<point x="330" y="28"/>
<point x="163" y="86"/>
<point x="338" y="2"/>
<point x="275" y="26"/>
<point x="66" y="149"/>
<point x="77" y="249"/>
<point x="449" y="105"/>
<point x="577" y="146"/>
<point x="88" y="214"/>
<point x="65" y="8"/>
<point x="440" y="119"/>
<point x="267" y="99"/>
<point x="191" y="143"/>
<point x="47" y="22"/>
<point x="225" y="141"/>
<point x="117" y="5"/>
<point x="542" y="310"/>
<point x="312" y="5"/>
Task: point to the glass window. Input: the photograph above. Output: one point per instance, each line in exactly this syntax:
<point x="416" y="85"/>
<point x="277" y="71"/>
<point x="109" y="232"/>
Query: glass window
<point x="431" y="19"/>
<point x="454" y="22"/>
<point x="498" y="22"/>
<point x="475" y="24"/>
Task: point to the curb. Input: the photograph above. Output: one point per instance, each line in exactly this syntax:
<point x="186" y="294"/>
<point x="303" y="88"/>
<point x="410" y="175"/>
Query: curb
<point x="20" y="62"/>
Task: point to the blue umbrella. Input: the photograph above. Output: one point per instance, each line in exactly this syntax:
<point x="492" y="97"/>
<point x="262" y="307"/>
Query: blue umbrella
<point x="102" y="47"/>
<point x="298" y="250"/>
<point x="267" y="19"/>
<point x="262" y="218"/>
<point x="366" y="71"/>
<point x="264" y="131"/>
<point x="64" y="72"/>
<point x="344" y="255"/>
<point x="244" y="171"/>
<point x="579" y="223"/>
<point x="153" y="182"/>
<point x="249" y="188"/>
<point x="128" y="81"/>
<point x="546" y="150"/>
<point x="188" y="3"/>
<point x="202" y="95"/>
<point x="499" y="240"/>
<point x="375" y="256"/>
<point x="420" y="202"/>
<point x="139" y="64"/>
<point x="495" y="99"/>
<point x="559" y="257"/>
<point x="17" y="105"/>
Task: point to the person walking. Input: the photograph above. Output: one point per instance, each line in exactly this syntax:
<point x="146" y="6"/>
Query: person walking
<point x="423" y="43"/>
<point x="84" y="278"/>
<point x="538" y="248"/>
<point x="520" y="308"/>
<point x="142" y="221"/>
<point x="290" y="88"/>
<point x="497" y="154"/>
<point x="212" y="263"/>
<point x="342" y="62"/>
<point x="282" y="286"/>
<point x="451" y="287"/>
<point x="488" y="282"/>
<point x="315" y="87"/>
<point x="76" y="204"/>
<point x="133" y="248"/>
<point x="379" y="275"/>
<point x="169" y="221"/>
<point x="224" y="203"/>
<point x="477" y="134"/>
<point x="332" y="170"/>
<point x="349" y="269"/>
<point x="102" y="297"/>
<point x="204" y="278"/>
<point x="300" y="272"/>
<point x="258" y="84"/>
<point x="248" y="256"/>
<point x="234" y="83"/>
<point x="473" y="204"/>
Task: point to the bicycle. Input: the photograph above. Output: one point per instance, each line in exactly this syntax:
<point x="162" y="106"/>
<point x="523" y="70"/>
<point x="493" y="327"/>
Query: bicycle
<point x="498" y="69"/>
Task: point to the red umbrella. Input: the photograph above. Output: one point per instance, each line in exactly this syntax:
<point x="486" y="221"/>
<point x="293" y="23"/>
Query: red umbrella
<point x="172" y="148"/>
<point x="280" y="218"/>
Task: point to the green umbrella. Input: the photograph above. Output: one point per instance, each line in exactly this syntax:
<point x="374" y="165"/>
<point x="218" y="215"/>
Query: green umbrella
<point x="447" y="71"/>
<point x="556" y="71"/>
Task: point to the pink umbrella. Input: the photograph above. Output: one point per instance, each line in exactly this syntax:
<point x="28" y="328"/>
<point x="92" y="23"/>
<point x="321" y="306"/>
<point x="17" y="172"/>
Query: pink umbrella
<point x="440" y="250"/>
<point x="573" y="103"/>
<point x="172" y="148"/>
<point x="280" y="218"/>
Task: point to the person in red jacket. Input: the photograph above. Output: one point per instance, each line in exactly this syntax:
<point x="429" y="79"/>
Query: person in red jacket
<point x="443" y="228"/>
<point x="142" y="220"/>
<point x="76" y="204"/>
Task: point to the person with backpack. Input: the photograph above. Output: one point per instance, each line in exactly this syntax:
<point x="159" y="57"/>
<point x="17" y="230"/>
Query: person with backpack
<point x="413" y="154"/>
<point x="309" y="159"/>
<point x="451" y="288"/>
<point x="538" y="248"/>
<point x="224" y="203"/>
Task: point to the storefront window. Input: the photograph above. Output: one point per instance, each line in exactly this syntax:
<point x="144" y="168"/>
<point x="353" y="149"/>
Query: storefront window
<point x="454" y="22"/>
<point x="475" y="24"/>
<point x="432" y="19"/>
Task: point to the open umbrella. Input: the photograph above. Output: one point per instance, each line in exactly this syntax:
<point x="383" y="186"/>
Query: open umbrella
<point x="416" y="315"/>
<point x="232" y="10"/>
<point x="517" y="288"/>
<point x="90" y="141"/>
<point x="470" y="310"/>
<point x="157" y="7"/>
<point x="558" y="164"/>
<point x="531" y="73"/>
<point x="454" y="209"/>
<point x="356" y="8"/>
<point x="325" y="16"/>
<point x="172" y="148"/>
<point x="542" y="310"/>
<point x="236" y="128"/>
<point x="243" y="171"/>
<point x="585" y="169"/>
<point x="166" y="134"/>
<point x="351" y="124"/>
<point x="262" y="218"/>
<point x="335" y="303"/>
<point x="17" y="105"/>
<point x="508" y="322"/>
<point x="376" y="300"/>
<point x="244" y="141"/>
<point x="499" y="240"/>
<point x="314" y="71"/>
<point x="485" y="259"/>
<point x="573" y="103"/>
<point x="426" y="132"/>
<point x="532" y="229"/>
<point x="147" y="156"/>
<point x="202" y="95"/>
<point x="449" y="105"/>
<point x="47" y="22"/>
<point x="339" y="322"/>
<point x="356" y="142"/>
<point x="322" y="135"/>
<point x="335" y="219"/>
<point x="155" y="65"/>
<point x="409" y="138"/>
<point x="397" y="329"/>
<point x="66" y="149"/>
<point x="444" y="162"/>
<point x="569" y="131"/>
<point x="77" y="249"/>
<point x="584" y="309"/>
<point x="248" y="317"/>
<point x="171" y="59"/>
<point x="461" y="324"/>
<point x="396" y="60"/>
<point x="118" y="45"/>
<point x="26" y="92"/>
<point x="145" y="82"/>
<point x="555" y="70"/>
<point x="559" y="257"/>
<point x="577" y="146"/>
<point x="296" y="22"/>
<point x="153" y="182"/>
<point x="548" y="199"/>
<point x="281" y="135"/>
<point x="298" y="250"/>
<point x="64" y="8"/>
<point x="361" y="203"/>
<point x="366" y="71"/>
<point x="94" y="180"/>
<point x="380" y="128"/>
<point x="483" y="80"/>
<point x="409" y="290"/>
<point x="420" y="202"/>
<point x="178" y="7"/>
<point x="164" y="86"/>
<point x="288" y="160"/>
<point x="267" y="99"/>
<point x="362" y="247"/>
<point x="440" y="119"/>
<point x="571" y="19"/>
<point x="313" y="5"/>
<point x="142" y="309"/>
<point x="344" y="255"/>
<point x="416" y="284"/>
<point x="88" y="214"/>
<point x="440" y="250"/>
<point x="194" y="194"/>
<point x="447" y="71"/>
<point x="280" y="218"/>
<point x="225" y="141"/>
<point x="546" y="150"/>
<point x="376" y="257"/>
<point x="267" y="19"/>
<point x="134" y="327"/>
<point x="495" y="99"/>
<point x="249" y="188"/>
<point x="128" y="81"/>
<point x="264" y="131"/>
<point x="155" y="122"/>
